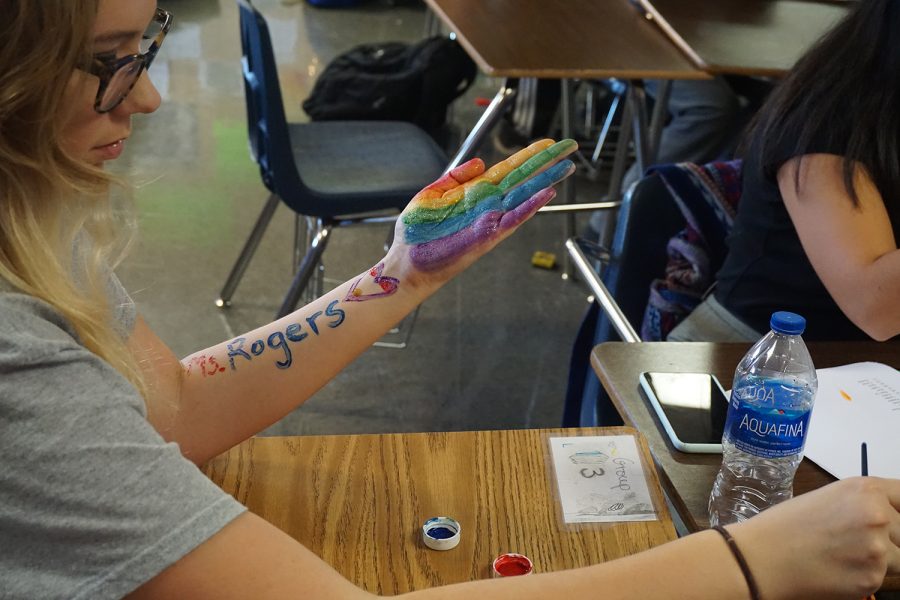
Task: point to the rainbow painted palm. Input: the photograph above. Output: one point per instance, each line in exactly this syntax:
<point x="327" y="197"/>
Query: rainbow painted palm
<point x="470" y="206"/>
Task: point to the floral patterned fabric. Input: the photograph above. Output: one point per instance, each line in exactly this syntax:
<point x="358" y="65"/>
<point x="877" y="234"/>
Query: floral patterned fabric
<point x="708" y="197"/>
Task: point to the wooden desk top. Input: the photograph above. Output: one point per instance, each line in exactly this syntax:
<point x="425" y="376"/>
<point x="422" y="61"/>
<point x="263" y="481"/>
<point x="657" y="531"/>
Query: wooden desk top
<point x="763" y="38"/>
<point x="569" y="39"/>
<point x="688" y="478"/>
<point x="359" y="501"/>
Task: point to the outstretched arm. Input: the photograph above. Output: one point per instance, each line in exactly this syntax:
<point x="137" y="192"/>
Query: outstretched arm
<point x="219" y="396"/>
<point x="834" y="543"/>
<point x="852" y="248"/>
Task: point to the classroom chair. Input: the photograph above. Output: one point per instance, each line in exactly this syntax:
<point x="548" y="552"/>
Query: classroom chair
<point x="331" y="173"/>
<point x="672" y="205"/>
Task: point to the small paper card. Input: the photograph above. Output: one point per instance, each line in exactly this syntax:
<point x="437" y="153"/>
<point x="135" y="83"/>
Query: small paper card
<point x="601" y="479"/>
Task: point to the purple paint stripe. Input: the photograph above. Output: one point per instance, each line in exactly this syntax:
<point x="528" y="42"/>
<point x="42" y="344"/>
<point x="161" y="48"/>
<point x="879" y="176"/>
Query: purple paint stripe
<point x="437" y="254"/>
<point x="524" y="211"/>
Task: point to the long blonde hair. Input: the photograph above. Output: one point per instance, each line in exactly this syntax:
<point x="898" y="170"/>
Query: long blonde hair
<point x="48" y="199"/>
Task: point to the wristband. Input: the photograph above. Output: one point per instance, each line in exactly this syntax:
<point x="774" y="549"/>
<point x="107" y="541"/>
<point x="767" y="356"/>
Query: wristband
<point x="742" y="562"/>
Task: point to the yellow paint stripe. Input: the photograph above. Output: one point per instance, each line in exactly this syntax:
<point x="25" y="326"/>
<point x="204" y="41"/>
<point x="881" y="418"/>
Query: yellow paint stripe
<point x="493" y="175"/>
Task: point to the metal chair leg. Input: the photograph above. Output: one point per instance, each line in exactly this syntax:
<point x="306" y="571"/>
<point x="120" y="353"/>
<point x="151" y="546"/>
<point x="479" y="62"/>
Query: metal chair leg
<point x="567" y="110"/>
<point x="305" y="228"/>
<point x="607" y="126"/>
<point x="484" y="126"/>
<point x="389" y="241"/>
<point x="301" y="240"/>
<point x="307" y="266"/>
<point x="404" y="327"/>
<point x="601" y="294"/>
<point x="316" y="285"/>
<point x="237" y="271"/>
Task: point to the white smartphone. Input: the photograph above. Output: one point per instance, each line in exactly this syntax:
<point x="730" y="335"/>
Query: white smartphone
<point x="691" y="407"/>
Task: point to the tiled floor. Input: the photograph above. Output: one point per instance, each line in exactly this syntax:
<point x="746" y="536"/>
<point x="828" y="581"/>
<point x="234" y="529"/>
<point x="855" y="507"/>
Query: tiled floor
<point x="490" y="350"/>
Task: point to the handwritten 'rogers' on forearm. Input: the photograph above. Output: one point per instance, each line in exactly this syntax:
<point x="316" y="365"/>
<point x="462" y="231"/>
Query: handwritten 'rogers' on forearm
<point x="279" y="343"/>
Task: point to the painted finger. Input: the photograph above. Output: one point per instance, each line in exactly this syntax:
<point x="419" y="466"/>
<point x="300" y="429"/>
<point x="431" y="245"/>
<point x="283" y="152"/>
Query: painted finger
<point x="491" y="177"/>
<point x="547" y="178"/>
<point x="538" y="163"/>
<point x="524" y="211"/>
<point x="475" y="195"/>
<point x="479" y="190"/>
<point x="456" y="177"/>
<point x="499" y="171"/>
<point x="468" y="170"/>
<point x="423" y="226"/>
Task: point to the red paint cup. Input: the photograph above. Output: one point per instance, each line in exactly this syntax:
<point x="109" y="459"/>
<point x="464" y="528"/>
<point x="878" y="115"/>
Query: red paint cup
<point x="511" y="565"/>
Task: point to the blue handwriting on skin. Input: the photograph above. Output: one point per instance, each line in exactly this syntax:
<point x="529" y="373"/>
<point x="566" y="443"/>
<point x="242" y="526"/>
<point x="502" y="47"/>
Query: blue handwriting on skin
<point x="331" y="311"/>
<point x="279" y="340"/>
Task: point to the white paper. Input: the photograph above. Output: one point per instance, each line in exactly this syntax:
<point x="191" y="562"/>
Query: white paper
<point x="856" y="403"/>
<point x="601" y="479"/>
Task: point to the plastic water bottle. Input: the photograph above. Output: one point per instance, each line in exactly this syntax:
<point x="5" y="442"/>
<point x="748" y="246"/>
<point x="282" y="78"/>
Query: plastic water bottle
<point x="771" y="400"/>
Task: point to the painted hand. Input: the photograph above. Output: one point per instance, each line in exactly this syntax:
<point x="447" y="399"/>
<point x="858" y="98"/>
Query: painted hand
<point x="461" y="216"/>
<point x="470" y="210"/>
<point x="452" y="222"/>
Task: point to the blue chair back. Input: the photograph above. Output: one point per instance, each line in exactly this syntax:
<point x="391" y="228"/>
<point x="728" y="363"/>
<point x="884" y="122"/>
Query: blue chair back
<point x="647" y="221"/>
<point x="270" y="143"/>
<point x="655" y="209"/>
<point x="338" y="172"/>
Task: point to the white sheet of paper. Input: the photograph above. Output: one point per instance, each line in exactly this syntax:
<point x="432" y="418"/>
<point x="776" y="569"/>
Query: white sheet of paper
<point x="856" y="403"/>
<point x="601" y="479"/>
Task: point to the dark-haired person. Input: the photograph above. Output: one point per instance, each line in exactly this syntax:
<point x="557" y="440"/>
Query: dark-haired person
<point x="101" y="426"/>
<point x="819" y="217"/>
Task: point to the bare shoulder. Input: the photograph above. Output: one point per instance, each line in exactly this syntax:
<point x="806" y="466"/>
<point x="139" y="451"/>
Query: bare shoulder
<point x="820" y="177"/>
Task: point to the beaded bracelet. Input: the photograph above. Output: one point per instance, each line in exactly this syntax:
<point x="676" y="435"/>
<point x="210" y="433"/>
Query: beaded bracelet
<point x="745" y="568"/>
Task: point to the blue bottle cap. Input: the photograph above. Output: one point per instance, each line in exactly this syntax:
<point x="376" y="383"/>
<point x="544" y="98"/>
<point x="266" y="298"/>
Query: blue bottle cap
<point x="441" y="533"/>
<point x="787" y="322"/>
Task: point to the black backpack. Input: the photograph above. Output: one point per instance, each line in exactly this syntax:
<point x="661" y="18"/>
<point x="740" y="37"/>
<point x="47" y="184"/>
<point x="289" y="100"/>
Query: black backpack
<point x="393" y="81"/>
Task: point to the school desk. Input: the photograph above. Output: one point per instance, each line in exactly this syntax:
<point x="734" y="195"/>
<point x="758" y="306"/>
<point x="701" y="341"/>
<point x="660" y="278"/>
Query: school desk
<point x="687" y="478"/>
<point x="577" y="39"/>
<point x="628" y="40"/>
<point x="737" y="37"/>
<point x="359" y="502"/>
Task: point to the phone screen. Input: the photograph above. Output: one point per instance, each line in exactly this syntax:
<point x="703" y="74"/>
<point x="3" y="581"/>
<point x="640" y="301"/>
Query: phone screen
<point x="693" y="403"/>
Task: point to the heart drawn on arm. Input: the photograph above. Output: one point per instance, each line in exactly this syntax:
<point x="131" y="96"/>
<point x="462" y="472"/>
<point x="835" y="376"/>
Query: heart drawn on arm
<point x="388" y="286"/>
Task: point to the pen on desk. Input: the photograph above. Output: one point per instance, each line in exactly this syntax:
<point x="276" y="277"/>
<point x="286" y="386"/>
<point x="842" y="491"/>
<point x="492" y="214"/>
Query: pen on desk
<point x="864" y="471"/>
<point x="864" y="459"/>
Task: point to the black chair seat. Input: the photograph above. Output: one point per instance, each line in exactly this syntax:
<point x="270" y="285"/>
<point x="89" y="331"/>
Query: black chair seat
<point x="360" y="166"/>
<point x="330" y="173"/>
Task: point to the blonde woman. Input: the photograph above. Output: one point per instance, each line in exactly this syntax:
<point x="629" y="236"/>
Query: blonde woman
<point x="101" y="427"/>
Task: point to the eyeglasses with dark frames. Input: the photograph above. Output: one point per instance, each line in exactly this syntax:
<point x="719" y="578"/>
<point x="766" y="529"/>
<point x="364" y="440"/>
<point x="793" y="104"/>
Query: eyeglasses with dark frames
<point x="118" y="75"/>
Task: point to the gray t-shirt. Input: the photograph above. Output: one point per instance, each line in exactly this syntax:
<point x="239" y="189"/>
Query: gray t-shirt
<point x="93" y="502"/>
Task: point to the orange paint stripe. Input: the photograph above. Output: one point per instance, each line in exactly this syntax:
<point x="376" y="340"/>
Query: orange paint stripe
<point x="493" y="175"/>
